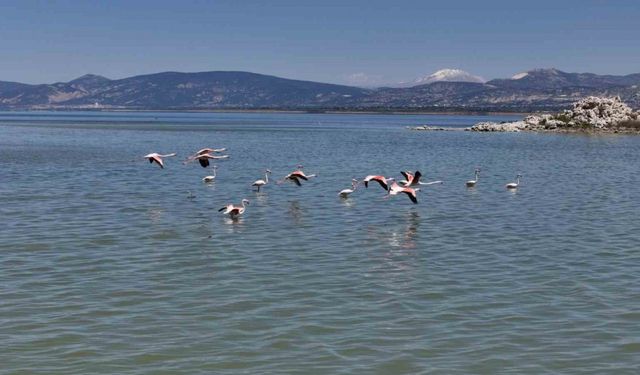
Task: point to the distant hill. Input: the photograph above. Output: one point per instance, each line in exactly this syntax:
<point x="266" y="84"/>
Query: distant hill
<point x="539" y="89"/>
<point x="173" y="90"/>
<point x="554" y="79"/>
<point x="535" y="90"/>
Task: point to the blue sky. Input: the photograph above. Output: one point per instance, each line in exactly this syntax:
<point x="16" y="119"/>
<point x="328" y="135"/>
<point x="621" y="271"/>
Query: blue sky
<point x="332" y="41"/>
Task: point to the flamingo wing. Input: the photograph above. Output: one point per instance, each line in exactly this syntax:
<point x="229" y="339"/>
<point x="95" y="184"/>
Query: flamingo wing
<point x="204" y="151"/>
<point x="407" y="176"/>
<point x="204" y="162"/>
<point x="416" y="177"/>
<point x="299" y="174"/>
<point x="411" y="194"/>
<point x="295" y="180"/>
<point x="157" y="160"/>
<point x="382" y="182"/>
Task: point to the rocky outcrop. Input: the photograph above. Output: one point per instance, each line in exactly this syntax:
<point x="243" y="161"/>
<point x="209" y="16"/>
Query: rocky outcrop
<point x="591" y="113"/>
<point x="594" y="112"/>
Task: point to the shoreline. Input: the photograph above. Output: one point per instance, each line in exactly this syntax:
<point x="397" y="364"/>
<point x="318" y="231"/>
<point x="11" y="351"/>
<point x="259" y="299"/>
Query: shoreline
<point x="284" y="111"/>
<point x="619" y="131"/>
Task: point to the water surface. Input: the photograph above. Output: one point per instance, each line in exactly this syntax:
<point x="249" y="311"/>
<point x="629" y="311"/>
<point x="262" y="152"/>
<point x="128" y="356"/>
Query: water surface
<point x="106" y="266"/>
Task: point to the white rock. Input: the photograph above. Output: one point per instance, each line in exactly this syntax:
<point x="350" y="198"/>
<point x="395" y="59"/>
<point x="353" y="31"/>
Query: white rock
<point x="515" y="126"/>
<point x="591" y="112"/>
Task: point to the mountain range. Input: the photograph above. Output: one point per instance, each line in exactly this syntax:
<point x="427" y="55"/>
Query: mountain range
<point x="449" y="89"/>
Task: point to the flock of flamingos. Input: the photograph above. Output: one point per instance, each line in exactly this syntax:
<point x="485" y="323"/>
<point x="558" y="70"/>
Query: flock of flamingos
<point x="389" y="184"/>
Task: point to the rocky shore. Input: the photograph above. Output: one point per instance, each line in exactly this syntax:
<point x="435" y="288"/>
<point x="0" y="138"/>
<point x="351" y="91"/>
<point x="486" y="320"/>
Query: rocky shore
<point x="433" y="128"/>
<point x="589" y="115"/>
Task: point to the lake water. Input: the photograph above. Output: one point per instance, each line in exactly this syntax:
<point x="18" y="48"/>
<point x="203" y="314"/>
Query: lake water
<point x="106" y="265"/>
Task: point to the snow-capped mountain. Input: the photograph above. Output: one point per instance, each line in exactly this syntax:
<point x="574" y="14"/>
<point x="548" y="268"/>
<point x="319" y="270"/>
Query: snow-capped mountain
<point x="445" y="75"/>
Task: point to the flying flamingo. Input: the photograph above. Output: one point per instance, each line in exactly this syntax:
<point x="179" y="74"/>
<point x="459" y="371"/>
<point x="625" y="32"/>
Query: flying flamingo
<point x="298" y="175"/>
<point x="383" y="181"/>
<point x="203" y="159"/>
<point x="260" y="183"/>
<point x="234" y="211"/>
<point x="472" y="183"/>
<point x="411" y="193"/>
<point x="345" y="193"/>
<point x="212" y="177"/>
<point x="413" y="179"/>
<point x="210" y="150"/>
<point x="514" y="185"/>
<point x="155" y="157"/>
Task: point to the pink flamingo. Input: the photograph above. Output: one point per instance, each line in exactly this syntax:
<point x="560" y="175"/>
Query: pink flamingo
<point x="298" y="175"/>
<point x="203" y="159"/>
<point x="413" y="179"/>
<point x="260" y="183"/>
<point x="157" y="158"/>
<point x="411" y="193"/>
<point x="383" y="181"/>
<point x="234" y="211"/>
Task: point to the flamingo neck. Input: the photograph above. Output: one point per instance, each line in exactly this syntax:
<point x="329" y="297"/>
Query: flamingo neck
<point x="266" y="178"/>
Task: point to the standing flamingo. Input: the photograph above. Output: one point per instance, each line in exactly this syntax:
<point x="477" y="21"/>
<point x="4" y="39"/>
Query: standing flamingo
<point x="472" y="183"/>
<point x="383" y="181"/>
<point x="514" y="185"/>
<point x="234" y="211"/>
<point x="411" y="193"/>
<point x="260" y="183"/>
<point x="157" y="158"/>
<point x="413" y="179"/>
<point x="345" y="192"/>
<point x="211" y="178"/>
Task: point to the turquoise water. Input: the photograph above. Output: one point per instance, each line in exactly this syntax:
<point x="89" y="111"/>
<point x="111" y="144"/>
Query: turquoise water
<point x="106" y="265"/>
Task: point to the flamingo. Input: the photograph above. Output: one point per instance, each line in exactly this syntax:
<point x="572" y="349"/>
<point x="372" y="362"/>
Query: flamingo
<point x="345" y="193"/>
<point x="212" y="177"/>
<point x="411" y="193"/>
<point x="155" y="157"/>
<point x="514" y="185"/>
<point x="413" y="179"/>
<point x="472" y="183"/>
<point x="383" y="181"/>
<point x="260" y="183"/>
<point x="210" y="150"/>
<point x="203" y="159"/>
<point x="298" y="175"/>
<point x="234" y="211"/>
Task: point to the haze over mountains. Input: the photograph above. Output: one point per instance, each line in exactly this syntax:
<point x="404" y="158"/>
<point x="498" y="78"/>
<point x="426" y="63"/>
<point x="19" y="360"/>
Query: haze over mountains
<point x="448" y="89"/>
